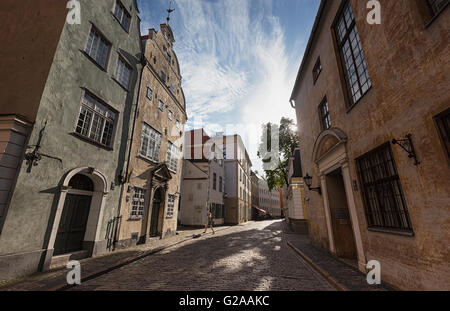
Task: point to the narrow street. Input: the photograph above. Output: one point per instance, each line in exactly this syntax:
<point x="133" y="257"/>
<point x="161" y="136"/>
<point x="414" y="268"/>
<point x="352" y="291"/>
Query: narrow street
<point x="250" y="257"/>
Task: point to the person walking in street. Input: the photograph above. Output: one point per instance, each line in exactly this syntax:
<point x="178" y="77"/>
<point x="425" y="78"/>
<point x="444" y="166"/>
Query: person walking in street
<point x="210" y="223"/>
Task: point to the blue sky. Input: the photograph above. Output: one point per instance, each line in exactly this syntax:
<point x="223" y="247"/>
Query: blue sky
<point x="238" y="58"/>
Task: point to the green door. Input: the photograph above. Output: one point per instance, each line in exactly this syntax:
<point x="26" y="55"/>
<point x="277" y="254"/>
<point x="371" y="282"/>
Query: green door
<point x="72" y="226"/>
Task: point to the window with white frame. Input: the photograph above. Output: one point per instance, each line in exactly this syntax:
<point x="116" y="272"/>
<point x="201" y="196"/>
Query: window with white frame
<point x="150" y="143"/>
<point x="170" y="206"/>
<point x="161" y="105"/>
<point x="172" y="157"/>
<point x="122" y="15"/>
<point x="137" y="205"/>
<point x="95" y="120"/>
<point x="149" y="93"/>
<point x="123" y="72"/>
<point x="98" y="47"/>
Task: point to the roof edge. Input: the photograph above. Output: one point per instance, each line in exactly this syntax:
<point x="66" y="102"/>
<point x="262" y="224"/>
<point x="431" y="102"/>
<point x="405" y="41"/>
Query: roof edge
<point x="311" y="40"/>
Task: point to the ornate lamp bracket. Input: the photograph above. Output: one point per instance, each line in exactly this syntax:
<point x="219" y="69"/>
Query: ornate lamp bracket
<point x="407" y="145"/>
<point x="32" y="158"/>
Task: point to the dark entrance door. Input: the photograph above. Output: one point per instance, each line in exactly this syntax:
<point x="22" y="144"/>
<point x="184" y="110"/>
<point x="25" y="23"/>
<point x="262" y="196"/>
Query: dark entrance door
<point x="156" y="210"/>
<point x="72" y="226"/>
<point x="340" y="216"/>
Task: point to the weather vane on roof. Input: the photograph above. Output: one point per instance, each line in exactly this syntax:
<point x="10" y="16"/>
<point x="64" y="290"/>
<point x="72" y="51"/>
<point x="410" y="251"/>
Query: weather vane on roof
<point x="170" y="10"/>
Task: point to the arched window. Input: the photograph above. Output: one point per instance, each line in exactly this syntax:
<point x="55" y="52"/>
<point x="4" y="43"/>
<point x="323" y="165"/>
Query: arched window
<point x="81" y="182"/>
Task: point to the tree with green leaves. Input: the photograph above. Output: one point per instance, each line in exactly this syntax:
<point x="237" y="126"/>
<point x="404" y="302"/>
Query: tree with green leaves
<point x="277" y="146"/>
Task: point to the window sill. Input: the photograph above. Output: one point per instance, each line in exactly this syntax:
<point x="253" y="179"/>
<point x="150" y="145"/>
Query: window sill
<point x="435" y="17"/>
<point x="392" y="231"/>
<point x="91" y="141"/>
<point x="135" y="219"/>
<point x="355" y="104"/>
<point x="117" y="81"/>
<point x="147" y="159"/>
<point x="94" y="61"/>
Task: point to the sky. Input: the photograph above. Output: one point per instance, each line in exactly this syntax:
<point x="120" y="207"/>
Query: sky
<point x="238" y="59"/>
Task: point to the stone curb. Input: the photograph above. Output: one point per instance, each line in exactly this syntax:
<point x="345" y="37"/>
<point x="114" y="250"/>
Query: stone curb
<point x="125" y="262"/>
<point x="339" y="286"/>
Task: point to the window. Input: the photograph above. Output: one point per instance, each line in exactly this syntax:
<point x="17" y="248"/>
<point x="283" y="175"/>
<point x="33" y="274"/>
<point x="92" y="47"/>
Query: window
<point x="324" y="113"/>
<point x="150" y="143"/>
<point x="443" y="123"/>
<point x="161" y="105"/>
<point x="317" y="70"/>
<point x="169" y="58"/>
<point x="172" y="157"/>
<point x="149" y="93"/>
<point x="123" y="72"/>
<point x="170" y="115"/>
<point x="214" y="181"/>
<point x="178" y="124"/>
<point x="352" y="55"/>
<point x="122" y="15"/>
<point x="98" y="48"/>
<point x="436" y="6"/>
<point x="383" y="195"/>
<point x="163" y="76"/>
<point x="170" y="206"/>
<point x="220" y="184"/>
<point x="95" y="121"/>
<point x="137" y="206"/>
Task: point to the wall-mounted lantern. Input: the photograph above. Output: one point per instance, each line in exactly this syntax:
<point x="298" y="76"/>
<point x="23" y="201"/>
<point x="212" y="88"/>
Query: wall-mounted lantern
<point x="407" y="145"/>
<point x="308" y="182"/>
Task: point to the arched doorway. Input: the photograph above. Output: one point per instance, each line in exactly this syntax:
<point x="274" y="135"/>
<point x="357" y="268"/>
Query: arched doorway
<point x="156" y="221"/>
<point x="344" y="235"/>
<point x="74" y="217"/>
<point x="83" y="190"/>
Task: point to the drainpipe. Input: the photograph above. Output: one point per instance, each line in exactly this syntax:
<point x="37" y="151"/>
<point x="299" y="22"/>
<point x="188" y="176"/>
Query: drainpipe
<point x="125" y="178"/>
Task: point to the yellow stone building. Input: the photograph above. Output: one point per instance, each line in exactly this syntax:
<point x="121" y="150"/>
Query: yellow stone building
<point x="151" y="197"/>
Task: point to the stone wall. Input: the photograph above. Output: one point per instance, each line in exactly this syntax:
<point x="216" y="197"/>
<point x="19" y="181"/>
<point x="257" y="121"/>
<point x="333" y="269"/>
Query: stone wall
<point x="409" y="67"/>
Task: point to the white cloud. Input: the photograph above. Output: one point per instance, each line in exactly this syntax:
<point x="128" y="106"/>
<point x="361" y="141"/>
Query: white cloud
<point x="234" y="62"/>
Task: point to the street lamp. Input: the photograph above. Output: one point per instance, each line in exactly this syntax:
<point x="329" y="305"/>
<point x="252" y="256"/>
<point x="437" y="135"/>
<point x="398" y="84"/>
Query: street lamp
<point x="308" y="182"/>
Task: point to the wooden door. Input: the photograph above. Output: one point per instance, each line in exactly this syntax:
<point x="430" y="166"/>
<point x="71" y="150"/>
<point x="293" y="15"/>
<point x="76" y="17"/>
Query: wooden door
<point x="72" y="226"/>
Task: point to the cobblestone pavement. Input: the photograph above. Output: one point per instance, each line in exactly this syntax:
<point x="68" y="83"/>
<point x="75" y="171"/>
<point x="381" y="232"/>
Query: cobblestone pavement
<point x="345" y="274"/>
<point x="56" y="279"/>
<point x="249" y="257"/>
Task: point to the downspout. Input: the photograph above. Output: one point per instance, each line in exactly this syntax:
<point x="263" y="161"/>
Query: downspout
<point x="125" y="178"/>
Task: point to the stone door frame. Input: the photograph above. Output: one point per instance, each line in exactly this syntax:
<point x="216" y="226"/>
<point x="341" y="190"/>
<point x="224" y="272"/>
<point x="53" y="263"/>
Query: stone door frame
<point x="330" y="154"/>
<point x="95" y="217"/>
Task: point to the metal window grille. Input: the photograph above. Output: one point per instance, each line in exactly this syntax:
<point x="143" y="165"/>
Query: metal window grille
<point x="352" y="55"/>
<point x="98" y="47"/>
<point x="383" y="195"/>
<point x="95" y="121"/>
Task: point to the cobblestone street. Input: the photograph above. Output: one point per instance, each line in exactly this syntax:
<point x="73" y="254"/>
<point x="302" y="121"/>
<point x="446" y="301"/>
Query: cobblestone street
<point x="250" y="257"/>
